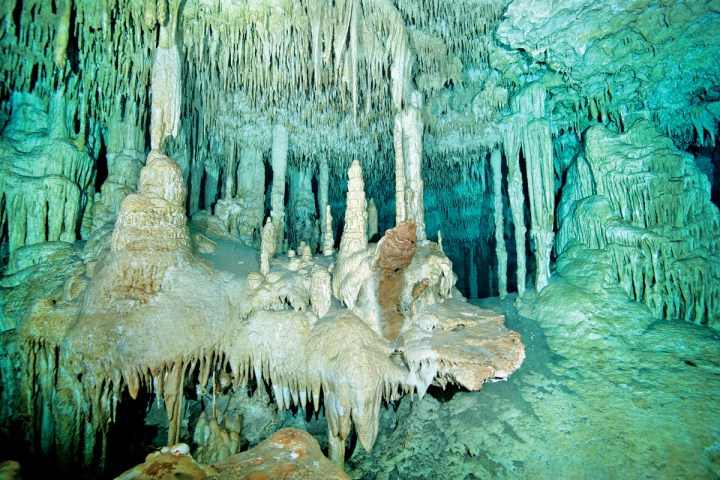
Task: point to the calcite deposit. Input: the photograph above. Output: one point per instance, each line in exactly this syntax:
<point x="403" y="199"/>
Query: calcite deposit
<point x="193" y="196"/>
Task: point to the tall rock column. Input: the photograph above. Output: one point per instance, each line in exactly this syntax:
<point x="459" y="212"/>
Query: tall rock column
<point x="529" y="108"/>
<point x="412" y="133"/>
<point x="495" y="163"/>
<point x="399" y="171"/>
<point x="512" y="133"/>
<point x="279" y="166"/>
<point x="537" y="145"/>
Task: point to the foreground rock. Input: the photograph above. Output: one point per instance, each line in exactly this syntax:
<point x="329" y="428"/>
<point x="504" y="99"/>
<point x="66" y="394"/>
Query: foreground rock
<point x="289" y="453"/>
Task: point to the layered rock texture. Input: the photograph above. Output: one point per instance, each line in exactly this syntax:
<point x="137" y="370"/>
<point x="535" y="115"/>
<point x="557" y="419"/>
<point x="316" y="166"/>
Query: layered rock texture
<point x="636" y="196"/>
<point x="46" y="180"/>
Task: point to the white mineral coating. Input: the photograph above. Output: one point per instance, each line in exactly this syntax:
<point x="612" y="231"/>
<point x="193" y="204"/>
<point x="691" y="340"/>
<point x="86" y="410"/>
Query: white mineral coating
<point x="250" y="195"/>
<point x="496" y="162"/>
<point x="277" y="199"/>
<point x="354" y="237"/>
<point x="372" y="220"/>
<point x="45" y="180"/>
<point x="537" y="145"/>
<point x="512" y="139"/>
<point x="648" y="205"/>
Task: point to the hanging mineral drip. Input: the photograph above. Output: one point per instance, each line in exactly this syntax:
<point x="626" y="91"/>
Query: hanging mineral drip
<point x="166" y="83"/>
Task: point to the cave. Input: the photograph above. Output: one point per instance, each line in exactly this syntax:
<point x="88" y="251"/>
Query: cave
<point x="373" y="239"/>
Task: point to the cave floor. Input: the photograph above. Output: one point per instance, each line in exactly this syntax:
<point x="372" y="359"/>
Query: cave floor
<point x="641" y="405"/>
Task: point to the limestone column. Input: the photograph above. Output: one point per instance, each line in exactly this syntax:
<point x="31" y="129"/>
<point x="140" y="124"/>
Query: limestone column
<point x="328" y="238"/>
<point x="399" y="171"/>
<point x="495" y="162"/>
<point x="412" y="133"/>
<point x="229" y="177"/>
<point x="512" y="133"/>
<point x="250" y="194"/>
<point x="323" y="184"/>
<point x="277" y="200"/>
<point x="537" y="145"/>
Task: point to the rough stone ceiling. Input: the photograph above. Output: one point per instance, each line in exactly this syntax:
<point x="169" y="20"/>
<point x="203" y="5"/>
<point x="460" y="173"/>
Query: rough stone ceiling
<point x="336" y="72"/>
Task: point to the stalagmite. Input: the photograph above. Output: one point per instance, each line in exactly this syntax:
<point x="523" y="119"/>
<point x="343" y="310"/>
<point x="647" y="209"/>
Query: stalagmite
<point x="495" y="161"/>
<point x="372" y="220"/>
<point x="512" y="138"/>
<point x="328" y="238"/>
<point x="354" y="237"/>
<point x="537" y="145"/>
<point x="279" y="165"/>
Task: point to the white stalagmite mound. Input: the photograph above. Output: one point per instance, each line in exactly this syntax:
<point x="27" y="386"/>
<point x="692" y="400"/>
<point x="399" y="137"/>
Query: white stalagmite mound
<point x="635" y="195"/>
<point x="148" y="313"/>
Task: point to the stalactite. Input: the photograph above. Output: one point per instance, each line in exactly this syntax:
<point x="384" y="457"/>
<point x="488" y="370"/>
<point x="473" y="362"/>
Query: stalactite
<point x="495" y="162"/>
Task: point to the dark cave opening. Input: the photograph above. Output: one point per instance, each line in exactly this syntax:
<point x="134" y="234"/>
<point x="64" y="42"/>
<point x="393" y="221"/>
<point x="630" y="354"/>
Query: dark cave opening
<point x="101" y="165"/>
